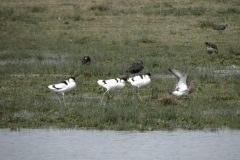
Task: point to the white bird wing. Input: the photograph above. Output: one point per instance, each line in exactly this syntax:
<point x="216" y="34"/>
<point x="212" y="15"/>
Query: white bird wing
<point x="113" y="82"/>
<point x="182" y="80"/>
<point x="134" y="79"/>
<point x="181" y="86"/>
<point x="140" y="80"/>
<point x="59" y="86"/>
<point x="110" y="83"/>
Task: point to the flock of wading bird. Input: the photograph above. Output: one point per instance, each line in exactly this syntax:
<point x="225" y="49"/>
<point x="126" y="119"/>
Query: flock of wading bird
<point x="136" y="78"/>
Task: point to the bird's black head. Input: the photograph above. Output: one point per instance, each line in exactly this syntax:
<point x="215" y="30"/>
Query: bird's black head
<point x="124" y="78"/>
<point x="206" y="43"/>
<point x="86" y="60"/>
<point x="72" y="78"/>
<point x="149" y="74"/>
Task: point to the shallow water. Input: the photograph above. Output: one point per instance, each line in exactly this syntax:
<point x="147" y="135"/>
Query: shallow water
<point x="55" y="144"/>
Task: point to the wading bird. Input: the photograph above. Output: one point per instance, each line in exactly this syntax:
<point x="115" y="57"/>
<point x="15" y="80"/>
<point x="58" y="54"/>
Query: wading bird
<point x="181" y="86"/>
<point x="63" y="87"/>
<point x="140" y="81"/>
<point x="86" y="60"/>
<point x="135" y="67"/>
<point x="112" y="84"/>
<point x="220" y="28"/>
<point x="211" y="47"/>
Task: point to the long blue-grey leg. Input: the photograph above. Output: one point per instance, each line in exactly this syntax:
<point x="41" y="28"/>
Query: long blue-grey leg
<point x="64" y="99"/>
<point x="139" y="94"/>
<point x="133" y="91"/>
<point x="59" y="98"/>
<point x="103" y="96"/>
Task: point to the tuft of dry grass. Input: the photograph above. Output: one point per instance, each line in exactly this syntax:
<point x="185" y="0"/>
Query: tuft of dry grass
<point x="170" y="100"/>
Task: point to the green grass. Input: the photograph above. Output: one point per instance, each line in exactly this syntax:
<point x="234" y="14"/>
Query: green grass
<point x="43" y="42"/>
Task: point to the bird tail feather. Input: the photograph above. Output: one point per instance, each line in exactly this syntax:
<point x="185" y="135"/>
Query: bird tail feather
<point x="51" y="87"/>
<point x="100" y="82"/>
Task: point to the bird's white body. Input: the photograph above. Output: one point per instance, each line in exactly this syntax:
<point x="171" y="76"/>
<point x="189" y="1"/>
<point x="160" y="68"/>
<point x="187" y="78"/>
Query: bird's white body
<point x="181" y="86"/>
<point x="140" y="81"/>
<point x="64" y="86"/>
<point x="111" y="84"/>
<point x="211" y="49"/>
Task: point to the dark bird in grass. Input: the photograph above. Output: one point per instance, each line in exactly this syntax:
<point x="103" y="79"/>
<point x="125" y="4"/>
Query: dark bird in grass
<point x="136" y="67"/>
<point x="211" y="47"/>
<point x="220" y="28"/>
<point x="86" y="60"/>
<point x="237" y="55"/>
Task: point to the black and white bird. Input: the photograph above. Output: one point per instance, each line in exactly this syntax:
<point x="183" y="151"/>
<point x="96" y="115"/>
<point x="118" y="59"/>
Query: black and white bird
<point x="220" y="28"/>
<point x="63" y="86"/>
<point x="86" y="60"/>
<point x="140" y="81"/>
<point x="112" y="84"/>
<point x="136" y="67"/>
<point x="211" y="47"/>
<point x="181" y="87"/>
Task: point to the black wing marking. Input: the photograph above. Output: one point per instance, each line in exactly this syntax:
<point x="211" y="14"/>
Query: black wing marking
<point x="65" y="82"/>
<point x="56" y="87"/>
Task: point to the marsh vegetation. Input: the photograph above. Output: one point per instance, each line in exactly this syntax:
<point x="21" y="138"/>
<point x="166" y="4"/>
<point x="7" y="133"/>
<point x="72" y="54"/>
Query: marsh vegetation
<point x="43" y="42"/>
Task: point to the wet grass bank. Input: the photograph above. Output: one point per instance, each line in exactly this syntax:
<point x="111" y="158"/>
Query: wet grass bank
<point x="43" y="42"/>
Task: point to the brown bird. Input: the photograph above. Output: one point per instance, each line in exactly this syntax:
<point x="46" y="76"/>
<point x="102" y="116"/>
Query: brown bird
<point x="211" y="47"/>
<point x="220" y="28"/>
<point x="135" y="67"/>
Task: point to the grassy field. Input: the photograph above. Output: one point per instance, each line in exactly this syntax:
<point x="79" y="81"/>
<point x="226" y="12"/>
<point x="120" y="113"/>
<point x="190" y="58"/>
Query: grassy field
<point x="43" y="42"/>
